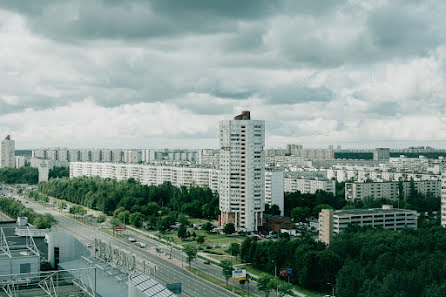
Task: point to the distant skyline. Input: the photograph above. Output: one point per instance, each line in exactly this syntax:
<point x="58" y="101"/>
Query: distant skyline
<point x="163" y="73"/>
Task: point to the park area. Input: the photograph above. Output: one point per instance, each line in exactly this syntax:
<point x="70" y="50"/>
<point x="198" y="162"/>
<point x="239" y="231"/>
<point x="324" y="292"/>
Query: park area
<point x="215" y="244"/>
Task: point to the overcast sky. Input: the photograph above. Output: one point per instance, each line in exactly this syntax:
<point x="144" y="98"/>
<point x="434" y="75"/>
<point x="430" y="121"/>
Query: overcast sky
<point x="162" y="73"/>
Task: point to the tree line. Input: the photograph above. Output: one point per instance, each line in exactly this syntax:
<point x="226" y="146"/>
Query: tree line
<point x="23" y="175"/>
<point x="143" y="203"/>
<point x="15" y="209"/>
<point x="361" y="262"/>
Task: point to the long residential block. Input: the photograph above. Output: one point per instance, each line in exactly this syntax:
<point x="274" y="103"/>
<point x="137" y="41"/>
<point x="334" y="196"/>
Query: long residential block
<point x="332" y="222"/>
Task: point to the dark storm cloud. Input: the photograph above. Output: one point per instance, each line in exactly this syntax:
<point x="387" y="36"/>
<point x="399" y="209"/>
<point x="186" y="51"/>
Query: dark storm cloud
<point x="137" y="19"/>
<point x="395" y="32"/>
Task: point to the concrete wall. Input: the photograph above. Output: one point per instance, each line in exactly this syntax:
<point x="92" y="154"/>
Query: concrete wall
<point x="69" y="248"/>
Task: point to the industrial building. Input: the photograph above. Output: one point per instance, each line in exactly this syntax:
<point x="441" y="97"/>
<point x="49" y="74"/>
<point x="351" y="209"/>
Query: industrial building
<point x="332" y="222"/>
<point x="74" y="271"/>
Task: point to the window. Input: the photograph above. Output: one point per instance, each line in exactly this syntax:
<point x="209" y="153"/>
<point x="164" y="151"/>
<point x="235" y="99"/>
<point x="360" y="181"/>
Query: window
<point x="25" y="268"/>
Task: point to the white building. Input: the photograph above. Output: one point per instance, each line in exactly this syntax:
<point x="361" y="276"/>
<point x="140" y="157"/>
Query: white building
<point x="133" y="156"/>
<point x="309" y="185"/>
<point x="148" y="174"/>
<point x="381" y="154"/>
<point x="44" y="170"/>
<point x="443" y="200"/>
<point x="242" y="177"/>
<point x="7" y="153"/>
<point x="20" y="161"/>
<point x="334" y="221"/>
<point x="274" y="192"/>
<point x="389" y="190"/>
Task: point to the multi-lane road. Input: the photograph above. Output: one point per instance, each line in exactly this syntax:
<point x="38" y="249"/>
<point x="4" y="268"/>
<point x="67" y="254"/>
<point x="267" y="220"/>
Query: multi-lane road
<point x="166" y="271"/>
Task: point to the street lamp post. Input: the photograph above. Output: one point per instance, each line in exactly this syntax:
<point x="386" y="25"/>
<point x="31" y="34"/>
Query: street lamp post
<point x="332" y="289"/>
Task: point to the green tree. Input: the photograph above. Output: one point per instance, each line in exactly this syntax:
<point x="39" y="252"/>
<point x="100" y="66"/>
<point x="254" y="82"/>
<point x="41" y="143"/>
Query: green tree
<point x="301" y="214"/>
<point x="234" y="249"/>
<point x="265" y="283"/>
<point x="227" y="269"/>
<point x="200" y="239"/>
<point x="282" y="288"/>
<point x="61" y="204"/>
<point x="101" y="218"/>
<point x="182" y="232"/>
<point x="136" y="219"/>
<point x="114" y="222"/>
<point x="191" y="253"/>
<point x="207" y="226"/>
<point x="229" y="228"/>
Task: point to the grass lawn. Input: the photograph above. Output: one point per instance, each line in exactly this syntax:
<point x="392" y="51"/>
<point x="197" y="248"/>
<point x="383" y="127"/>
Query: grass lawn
<point x="211" y="239"/>
<point x="199" y="221"/>
<point x="258" y="272"/>
<point x="219" y="282"/>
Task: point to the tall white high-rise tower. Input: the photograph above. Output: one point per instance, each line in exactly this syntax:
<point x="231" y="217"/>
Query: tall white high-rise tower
<point x="242" y="172"/>
<point x="7" y="153"/>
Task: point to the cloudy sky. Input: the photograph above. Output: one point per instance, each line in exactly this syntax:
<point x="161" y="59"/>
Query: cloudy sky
<point x="162" y="73"/>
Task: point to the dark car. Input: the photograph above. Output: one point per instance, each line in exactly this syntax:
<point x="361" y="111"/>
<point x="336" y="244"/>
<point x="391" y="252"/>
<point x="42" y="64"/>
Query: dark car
<point x="207" y="262"/>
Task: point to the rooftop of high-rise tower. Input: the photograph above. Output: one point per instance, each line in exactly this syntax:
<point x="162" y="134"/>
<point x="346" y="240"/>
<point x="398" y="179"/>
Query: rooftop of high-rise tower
<point x="245" y="115"/>
<point x="8" y="137"/>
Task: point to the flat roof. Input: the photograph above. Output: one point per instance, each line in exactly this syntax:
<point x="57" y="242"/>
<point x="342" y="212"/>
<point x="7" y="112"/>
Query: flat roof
<point x="353" y="212"/>
<point x="17" y="242"/>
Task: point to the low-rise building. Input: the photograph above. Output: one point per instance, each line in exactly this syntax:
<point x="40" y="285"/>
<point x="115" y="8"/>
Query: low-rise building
<point x="332" y="222"/>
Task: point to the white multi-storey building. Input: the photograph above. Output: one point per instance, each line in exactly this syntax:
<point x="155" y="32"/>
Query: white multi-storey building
<point x="443" y="199"/>
<point x="334" y="221"/>
<point x="308" y="184"/>
<point x="390" y="190"/>
<point x="242" y="177"/>
<point x="7" y="153"/>
<point x="20" y="162"/>
<point x="274" y="192"/>
<point x="133" y="156"/>
<point x="148" y="174"/>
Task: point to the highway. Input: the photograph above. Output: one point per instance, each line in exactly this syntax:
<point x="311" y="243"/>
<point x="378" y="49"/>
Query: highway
<point x="166" y="272"/>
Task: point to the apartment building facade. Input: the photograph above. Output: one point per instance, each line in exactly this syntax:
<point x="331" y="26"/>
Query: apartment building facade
<point x="308" y="184"/>
<point x="389" y="190"/>
<point x="443" y="200"/>
<point x="242" y="172"/>
<point x="332" y="222"/>
<point x="148" y="174"/>
<point x="274" y="189"/>
<point x="7" y="153"/>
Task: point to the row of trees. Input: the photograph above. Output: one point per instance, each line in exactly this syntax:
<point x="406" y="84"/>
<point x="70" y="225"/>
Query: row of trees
<point x="362" y="262"/>
<point x="59" y="172"/>
<point x="15" y="209"/>
<point x="107" y="195"/>
<point x="23" y="175"/>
